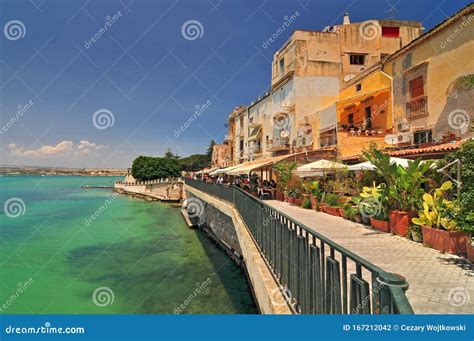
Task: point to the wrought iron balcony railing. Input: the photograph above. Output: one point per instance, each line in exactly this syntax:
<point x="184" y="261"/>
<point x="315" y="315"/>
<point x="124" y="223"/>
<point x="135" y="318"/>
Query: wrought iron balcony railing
<point x="417" y="107"/>
<point x="316" y="275"/>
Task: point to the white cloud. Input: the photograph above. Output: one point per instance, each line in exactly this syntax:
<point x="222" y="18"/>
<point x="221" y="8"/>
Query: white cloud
<point x="62" y="148"/>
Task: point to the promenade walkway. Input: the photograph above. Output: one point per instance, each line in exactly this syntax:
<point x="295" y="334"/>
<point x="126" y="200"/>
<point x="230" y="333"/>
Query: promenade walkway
<point x="439" y="283"/>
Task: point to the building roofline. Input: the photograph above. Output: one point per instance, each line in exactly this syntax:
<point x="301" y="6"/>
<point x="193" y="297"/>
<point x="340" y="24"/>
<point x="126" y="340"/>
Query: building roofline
<point x="435" y="30"/>
<point x="430" y="33"/>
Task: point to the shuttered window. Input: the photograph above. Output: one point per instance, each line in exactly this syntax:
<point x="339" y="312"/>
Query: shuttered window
<point x="390" y="31"/>
<point x="416" y="87"/>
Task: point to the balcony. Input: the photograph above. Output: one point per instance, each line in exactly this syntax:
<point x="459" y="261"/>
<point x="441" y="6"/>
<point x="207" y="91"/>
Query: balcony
<point x="280" y="144"/>
<point x="417" y="107"/>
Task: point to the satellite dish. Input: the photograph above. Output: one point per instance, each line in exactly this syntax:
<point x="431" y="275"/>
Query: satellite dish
<point x="284" y="133"/>
<point x="347" y="78"/>
<point x="391" y="139"/>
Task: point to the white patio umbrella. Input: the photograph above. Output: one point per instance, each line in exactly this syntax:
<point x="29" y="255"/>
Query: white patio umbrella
<point x="369" y="166"/>
<point x="321" y="165"/>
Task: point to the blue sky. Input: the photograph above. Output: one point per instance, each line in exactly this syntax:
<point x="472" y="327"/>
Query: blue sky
<point x="143" y="74"/>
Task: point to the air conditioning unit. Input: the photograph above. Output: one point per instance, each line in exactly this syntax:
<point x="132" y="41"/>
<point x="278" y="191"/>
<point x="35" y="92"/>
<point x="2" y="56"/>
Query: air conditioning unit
<point x="404" y="138"/>
<point x="403" y="126"/>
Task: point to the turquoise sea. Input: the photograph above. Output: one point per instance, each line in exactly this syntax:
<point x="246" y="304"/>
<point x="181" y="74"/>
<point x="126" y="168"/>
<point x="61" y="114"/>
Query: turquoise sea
<point x="133" y="257"/>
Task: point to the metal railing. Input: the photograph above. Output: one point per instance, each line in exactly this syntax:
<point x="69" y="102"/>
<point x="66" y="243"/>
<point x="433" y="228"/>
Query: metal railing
<point x="149" y="182"/>
<point x="417" y="107"/>
<point x="316" y="275"/>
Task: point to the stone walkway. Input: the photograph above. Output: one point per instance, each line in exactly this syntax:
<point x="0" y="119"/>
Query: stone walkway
<point x="433" y="276"/>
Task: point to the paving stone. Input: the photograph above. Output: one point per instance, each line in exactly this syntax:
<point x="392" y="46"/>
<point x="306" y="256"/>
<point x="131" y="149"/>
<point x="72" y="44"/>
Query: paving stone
<point x="431" y="274"/>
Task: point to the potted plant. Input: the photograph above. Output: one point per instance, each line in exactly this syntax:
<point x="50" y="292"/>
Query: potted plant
<point x="306" y="203"/>
<point x="284" y="172"/>
<point x="374" y="205"/>
<point x="314" y="191"/>
<point x="470" y="249"/>
<point x="403" y="185"/>
<point x="332" y="204"/>
<point x="440" y="231"/>
<point x="295" y="190"/>
<point x="415" y="233"/>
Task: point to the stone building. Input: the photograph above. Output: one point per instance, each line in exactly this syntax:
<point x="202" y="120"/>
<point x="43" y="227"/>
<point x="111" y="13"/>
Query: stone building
<point x="420" y="95"/>
<point x="307" y="74"/>
<point x="309" y="70"/>
<point x="220" y="155"/>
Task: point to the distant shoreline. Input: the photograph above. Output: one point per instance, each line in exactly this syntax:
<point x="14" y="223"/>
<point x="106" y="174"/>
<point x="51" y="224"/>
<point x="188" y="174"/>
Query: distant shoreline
<point x="60" y="171"/>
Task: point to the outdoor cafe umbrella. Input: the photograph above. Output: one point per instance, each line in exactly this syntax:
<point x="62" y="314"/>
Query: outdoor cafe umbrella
<point x="321" y="165"/>
<point x="319" y="168"/>
<point x="369" y="166"/>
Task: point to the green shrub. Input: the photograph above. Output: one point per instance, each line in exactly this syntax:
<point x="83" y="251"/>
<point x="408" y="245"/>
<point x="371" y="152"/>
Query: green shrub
<point x="306" y="203"/>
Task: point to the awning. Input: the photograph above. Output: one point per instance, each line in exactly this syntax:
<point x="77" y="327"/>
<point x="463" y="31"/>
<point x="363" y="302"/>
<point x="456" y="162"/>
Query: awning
<point x="254" y="134"/>
<point x="247" y="167"/>
<point x="321" y="165"/>
<point x="206" y="170"/>
<point x="222" y="170"/>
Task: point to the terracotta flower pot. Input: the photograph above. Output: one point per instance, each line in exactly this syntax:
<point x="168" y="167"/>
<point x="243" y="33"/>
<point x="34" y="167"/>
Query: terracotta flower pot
<point x="332" y="210"/>
<point x="358" y="218"/>
<point x="341" y="211"/>
<point x="297" y="201"/>
<point x="399" y="221"/>
<point x="381" y="225"/>
<point x="445" y="241"/>
<point x="314" y="202"/>
<point x="280" y="196"/>
<point x="290" y="199"/>
<point x="470" y="249"/>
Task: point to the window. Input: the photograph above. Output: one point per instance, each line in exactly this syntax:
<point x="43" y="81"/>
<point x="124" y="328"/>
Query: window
<point x="282" y="65"/>
<point x="368" y="117"/>
<point x="241" y="145"/>
<point x="351" y="119"/>
<point x="357" y="59"/>
<point x="390" y="31"/>
<point x="358" y="87"/>
<point x="416" y="87"/>
<point x="423" y="136"/>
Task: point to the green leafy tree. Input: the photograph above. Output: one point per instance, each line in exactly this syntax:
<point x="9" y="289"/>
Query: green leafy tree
<point x="210" y="148"/>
